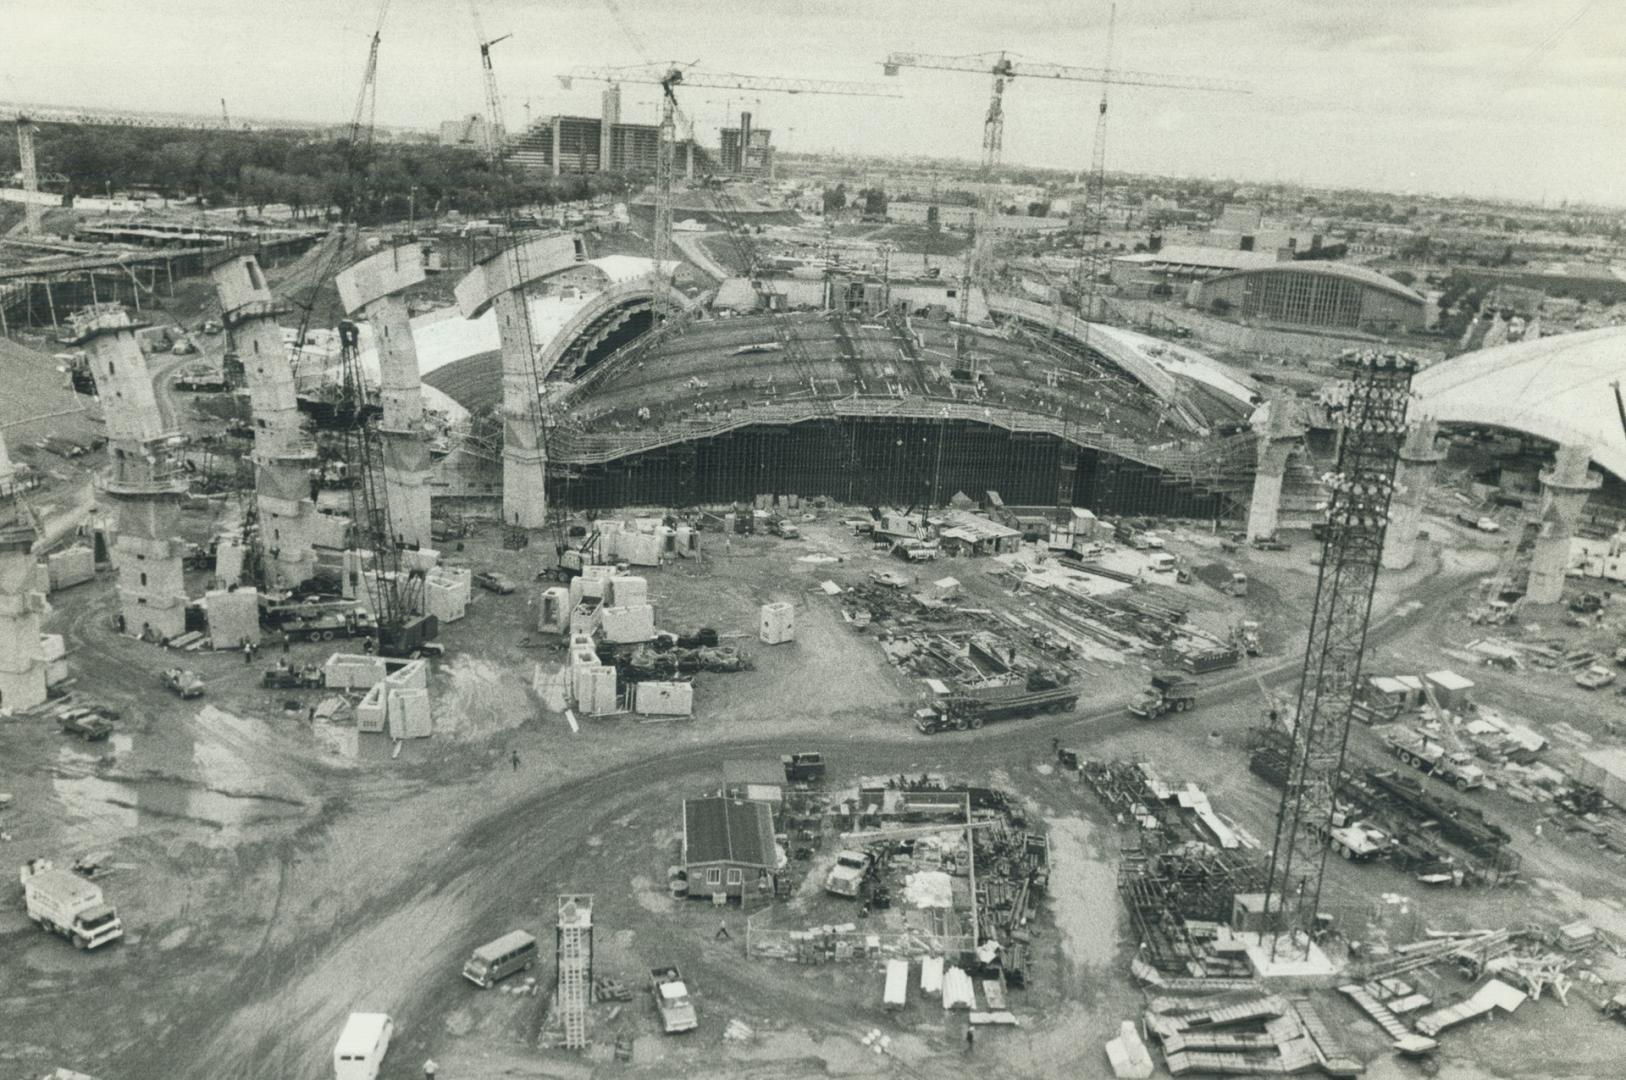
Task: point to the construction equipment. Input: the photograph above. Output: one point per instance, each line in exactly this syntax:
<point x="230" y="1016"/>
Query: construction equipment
<point x="847" y="876"/>
<point x="803" y="767"/>
<point x="285" y="676"/>
<point x="1362" y="482"/>
<point x="67" y="905"/>
<point x="1420" y="751"/>
<point x="672" y="1000"/>
<point x="1003" y="67"/>
<point x="971" y="707"/>
<point x="495" y="130"/>
<point x="1170" y="691"/>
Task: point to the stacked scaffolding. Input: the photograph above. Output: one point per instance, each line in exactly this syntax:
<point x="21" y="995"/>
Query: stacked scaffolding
<point x="143" y="484"/>
<point x="22" y="660"/>
<point x="574" y="956"/>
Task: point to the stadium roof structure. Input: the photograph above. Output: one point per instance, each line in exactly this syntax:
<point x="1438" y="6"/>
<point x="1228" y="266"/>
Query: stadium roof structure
<point x="1556" y="388"/>
<point x="1361" y="275"/>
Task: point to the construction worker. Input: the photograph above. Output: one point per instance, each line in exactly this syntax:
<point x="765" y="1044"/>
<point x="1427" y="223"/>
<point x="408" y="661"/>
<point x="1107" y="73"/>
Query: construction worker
<point x="970" y="1039"/>
<point x="514" y="759"/>
<point x="248" y="653"/>
<point x="430" y="1069"/>
<point x="722" y="932"/>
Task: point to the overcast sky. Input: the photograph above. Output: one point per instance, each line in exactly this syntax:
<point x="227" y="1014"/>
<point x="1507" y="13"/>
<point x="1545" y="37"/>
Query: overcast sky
<point x="1511" y="98"/>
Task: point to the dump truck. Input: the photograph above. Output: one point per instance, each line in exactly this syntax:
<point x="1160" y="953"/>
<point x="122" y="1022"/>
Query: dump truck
<point x="975" y="706"/>
<point x="1170" y="692"/>
<point x="67" y="905"/>
<point x="846" y="877"/>
<point x="183" y="682"/>
<point x="1417" y="749"/>
<point x="672" y="1000"/>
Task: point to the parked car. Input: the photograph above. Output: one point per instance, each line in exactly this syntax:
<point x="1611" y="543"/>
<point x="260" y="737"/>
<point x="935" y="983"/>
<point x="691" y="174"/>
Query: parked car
<point x="183" y="682"/>
<point x="491" y="581"/>
<point x="1595" y="677"/>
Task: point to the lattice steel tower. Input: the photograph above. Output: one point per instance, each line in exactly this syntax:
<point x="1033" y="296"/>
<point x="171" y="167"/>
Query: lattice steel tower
<point x="1373" y="429"/>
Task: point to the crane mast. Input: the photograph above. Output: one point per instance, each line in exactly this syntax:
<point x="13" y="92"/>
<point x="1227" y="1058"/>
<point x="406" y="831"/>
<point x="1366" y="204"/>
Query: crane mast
<point x="495" y="134"/>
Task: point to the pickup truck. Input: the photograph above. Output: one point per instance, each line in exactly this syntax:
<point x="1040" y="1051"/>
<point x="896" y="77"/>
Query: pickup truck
<point x="784" y="529"/>
<point x="67" y="905"/>
<point x="1416" y="749"/>
<point x="847" y="875"/>
<point x="183" y="682"/>
<point x="491" y="581"/>
<point x="672" y="1000"/>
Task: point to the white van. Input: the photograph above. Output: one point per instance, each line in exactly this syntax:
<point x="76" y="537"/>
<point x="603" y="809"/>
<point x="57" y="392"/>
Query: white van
<point x="1160" y="561"/>
<point x="362" y="1045"/>
<point x="498" y="959"/>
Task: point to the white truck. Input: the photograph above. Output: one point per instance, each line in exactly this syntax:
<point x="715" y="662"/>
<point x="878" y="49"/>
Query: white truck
<point x="847" y="875"/>
<point x="672" y="1000"/>
<point x="68" y="905"/>
<point x="362" y="1044"/>
<point x="1356" y="841"/>
<point x="1416" y="749"/>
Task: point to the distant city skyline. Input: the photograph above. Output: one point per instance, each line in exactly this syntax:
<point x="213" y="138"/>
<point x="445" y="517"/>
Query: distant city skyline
<point x="1514" y="99"/>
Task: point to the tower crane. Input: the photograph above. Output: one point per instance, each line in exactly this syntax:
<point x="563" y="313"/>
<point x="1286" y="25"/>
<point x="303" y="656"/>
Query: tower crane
<point x="1003" y="67"/>
<point x="496" y="135"/>
<point x="668" y="76"/>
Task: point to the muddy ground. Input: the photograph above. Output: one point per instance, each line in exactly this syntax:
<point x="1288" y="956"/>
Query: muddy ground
<point x="275" y="874"/>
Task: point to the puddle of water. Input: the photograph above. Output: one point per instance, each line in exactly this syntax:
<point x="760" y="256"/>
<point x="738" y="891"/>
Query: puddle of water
<point x="1084" y="890"/>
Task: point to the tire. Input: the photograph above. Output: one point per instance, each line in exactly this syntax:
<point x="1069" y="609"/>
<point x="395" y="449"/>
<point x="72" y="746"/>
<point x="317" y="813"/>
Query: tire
<point x="1348" y="854"/>
<point x="960" y="724"/>
<point x="80" y="943"/>
<point x="327" y="635"/>
<point x="1461" y="783"/>
<point x="976" y="722"/>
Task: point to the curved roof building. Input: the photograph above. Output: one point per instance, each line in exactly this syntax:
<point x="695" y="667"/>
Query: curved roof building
<point x="1316" y="293"/>
<point x="1555" y="388"/>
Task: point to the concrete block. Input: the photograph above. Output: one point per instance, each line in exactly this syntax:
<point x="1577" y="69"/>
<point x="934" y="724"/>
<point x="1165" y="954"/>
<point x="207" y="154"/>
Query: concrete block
<point x="598" y="572"/>
<point x="234" y="617"/>
<point x="663" y="699"/>
<point x="589" y="587"/>
<point x="413" y="675"/>
<point x="424" y="559"/>
<point x="553" y="687"/>
<point x="553" y="610"/>
<point x="582" y="641"/>
<point x="55" y="651"/>
<point x="409" y="714"/>
<point x="626" y="625"/>
<point x="444" y="602"/>
<point x="353" y="671"/>
<point x="229" y="562"/>
<point x="584" y="618"/>
<point x="603" y="699"/>
<point x="371" y="712"/>
<point x="73" y="566"/>
<point x="583" y="656"/>
<point x="778" y="623"/>
<point x="329" y="530"/>
<point x="625" y="591"/>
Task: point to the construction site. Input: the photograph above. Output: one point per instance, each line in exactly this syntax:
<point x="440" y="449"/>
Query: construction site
<point x="611" y="647"/>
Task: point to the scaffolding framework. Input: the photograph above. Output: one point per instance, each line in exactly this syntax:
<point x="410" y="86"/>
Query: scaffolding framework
<point x="1373" y="427"/>
<point x="574" y="958"/>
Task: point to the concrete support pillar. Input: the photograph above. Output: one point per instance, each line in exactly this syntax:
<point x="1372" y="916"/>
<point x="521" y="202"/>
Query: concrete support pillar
<point x="1569" y="483"/>
<point x="610" y="116"/>
<point x="33" y="215"/>
<point x="1414" y="481"/>
<point x="1277" y="442"/>
<point x="372" y="287"/>
<point x="22" y="660"/>
<point x="1548" y="560"/>
<point x="143" y="484"/>
<point x="284" y="454"/>
<point x="557" y="143"/>
<point x="501" y="281"/>
<point x="524" y="459"/>
<point x="1564" y="491"/>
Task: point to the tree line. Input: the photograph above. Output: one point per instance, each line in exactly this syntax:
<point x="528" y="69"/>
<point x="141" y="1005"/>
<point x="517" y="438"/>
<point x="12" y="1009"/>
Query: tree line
<point x="315" y="176"/>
